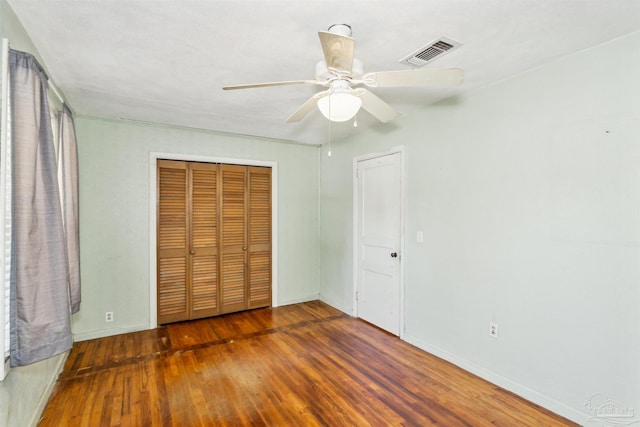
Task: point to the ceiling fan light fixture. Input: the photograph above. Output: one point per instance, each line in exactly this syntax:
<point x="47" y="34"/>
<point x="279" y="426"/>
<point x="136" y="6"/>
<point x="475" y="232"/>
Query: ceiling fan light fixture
<point x="340" y="105"/>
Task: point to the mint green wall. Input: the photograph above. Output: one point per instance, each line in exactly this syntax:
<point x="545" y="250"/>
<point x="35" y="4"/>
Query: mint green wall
<point x="114" y="159"/>
<point x="528" y="194"/>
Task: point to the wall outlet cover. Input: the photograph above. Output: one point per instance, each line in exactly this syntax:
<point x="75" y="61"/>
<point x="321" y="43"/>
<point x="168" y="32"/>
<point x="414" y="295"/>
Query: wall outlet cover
<point x="493" y="330"/>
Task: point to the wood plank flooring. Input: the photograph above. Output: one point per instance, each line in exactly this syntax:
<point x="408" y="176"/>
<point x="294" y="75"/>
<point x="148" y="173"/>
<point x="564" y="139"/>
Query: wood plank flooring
<point x="300" y="365"/>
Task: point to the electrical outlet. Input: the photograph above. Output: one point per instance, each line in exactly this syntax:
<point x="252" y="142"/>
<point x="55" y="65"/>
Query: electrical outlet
<point x="493" y="330"/>
<point x="108" y="316"/>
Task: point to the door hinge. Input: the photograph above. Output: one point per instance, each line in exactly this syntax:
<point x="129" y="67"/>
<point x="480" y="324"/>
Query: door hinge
<point x="356" y="295"/>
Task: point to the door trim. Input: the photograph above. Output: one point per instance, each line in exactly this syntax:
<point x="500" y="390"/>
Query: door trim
<point x="153" y="206"/>
<point x="395" y="150"/>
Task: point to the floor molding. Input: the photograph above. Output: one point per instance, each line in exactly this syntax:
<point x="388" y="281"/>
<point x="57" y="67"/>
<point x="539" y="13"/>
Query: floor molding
<point x="501" y="381"/>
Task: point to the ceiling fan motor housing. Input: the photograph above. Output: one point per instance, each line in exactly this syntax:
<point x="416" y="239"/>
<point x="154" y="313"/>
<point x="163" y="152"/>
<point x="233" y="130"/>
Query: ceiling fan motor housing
<point x="323" y="72"/>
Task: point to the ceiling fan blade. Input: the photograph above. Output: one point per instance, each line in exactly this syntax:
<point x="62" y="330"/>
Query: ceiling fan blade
<point x="338" y="50"/>
<point x="376" y="106"/>
<point x="306" y="108"/>
<point x="289" y="83"/>
<point x="405" y="78"/>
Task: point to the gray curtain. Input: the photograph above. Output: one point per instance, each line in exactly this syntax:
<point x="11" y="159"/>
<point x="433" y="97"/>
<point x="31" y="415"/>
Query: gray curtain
<point x="40" y="298"/>
<point x="68" y="182"/>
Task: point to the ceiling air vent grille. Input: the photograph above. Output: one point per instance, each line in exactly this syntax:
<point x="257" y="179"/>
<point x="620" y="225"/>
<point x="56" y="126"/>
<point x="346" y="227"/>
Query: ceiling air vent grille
<point x="430" y="52"/>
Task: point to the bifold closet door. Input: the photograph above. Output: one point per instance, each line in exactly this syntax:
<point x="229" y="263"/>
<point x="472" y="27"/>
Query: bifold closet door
<point x="172" y="241"/>
<point x="259" y="237"/>
<point x="214" y="239"/>
<point x="204" y="240"/>
<point x="187" y="241"/>
<point x="233" y="236"/>
<point x="245" y="237"/>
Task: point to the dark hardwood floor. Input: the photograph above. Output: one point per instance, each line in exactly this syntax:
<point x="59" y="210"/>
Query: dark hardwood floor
<point x="300" y="365"/>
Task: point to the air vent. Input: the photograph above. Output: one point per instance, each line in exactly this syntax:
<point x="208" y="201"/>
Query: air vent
<point x="430" y="52"/>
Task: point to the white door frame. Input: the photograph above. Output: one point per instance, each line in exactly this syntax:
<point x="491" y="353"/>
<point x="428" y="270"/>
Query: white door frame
<point x="153" y="206"/>
<point x="395" y="150"/>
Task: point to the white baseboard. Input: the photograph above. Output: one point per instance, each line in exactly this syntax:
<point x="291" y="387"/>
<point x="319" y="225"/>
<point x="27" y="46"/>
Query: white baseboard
<point x="297" y="300"/>
<point x="46" y="393"/>
<point x="506" y="383"/>
<point x="346" y="310"/>
<point x="101" y="333"/>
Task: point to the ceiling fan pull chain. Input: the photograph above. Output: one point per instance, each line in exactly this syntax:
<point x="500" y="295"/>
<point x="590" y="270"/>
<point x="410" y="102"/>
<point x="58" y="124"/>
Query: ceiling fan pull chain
<point x="330" y="138"/>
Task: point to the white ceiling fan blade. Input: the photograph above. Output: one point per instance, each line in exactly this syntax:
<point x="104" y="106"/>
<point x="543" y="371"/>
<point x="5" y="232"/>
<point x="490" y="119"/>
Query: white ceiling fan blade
<point x="338" y="50"/>
<point x="306" y="108"/>
<point x="286" y="83"/>
<point x="415" y="78"/>
<point x="376" y="106"/>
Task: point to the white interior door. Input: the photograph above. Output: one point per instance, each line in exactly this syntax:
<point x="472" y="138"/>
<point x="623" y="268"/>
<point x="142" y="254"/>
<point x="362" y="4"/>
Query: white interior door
<point x="378" y="241"/>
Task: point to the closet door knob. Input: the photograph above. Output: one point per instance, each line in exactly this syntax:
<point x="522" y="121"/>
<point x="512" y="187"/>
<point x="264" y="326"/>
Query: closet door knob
<point x="244" y="248"/>
<point x="192" y="252"/>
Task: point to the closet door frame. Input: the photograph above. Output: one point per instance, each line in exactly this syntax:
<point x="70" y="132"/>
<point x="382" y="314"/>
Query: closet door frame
<point x="153" y="211"/>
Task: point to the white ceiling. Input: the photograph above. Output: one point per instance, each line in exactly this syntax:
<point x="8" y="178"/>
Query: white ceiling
<point x="166" y="61"/>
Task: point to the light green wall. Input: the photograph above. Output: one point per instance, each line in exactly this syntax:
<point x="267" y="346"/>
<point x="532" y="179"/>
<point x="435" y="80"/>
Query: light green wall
<point x="528" y="194"/>
<point x="114" y="159"/>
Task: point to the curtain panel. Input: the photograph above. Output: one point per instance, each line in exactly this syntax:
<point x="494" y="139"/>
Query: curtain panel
<point x="69" y="196"/>
<point x="40" y="294"/>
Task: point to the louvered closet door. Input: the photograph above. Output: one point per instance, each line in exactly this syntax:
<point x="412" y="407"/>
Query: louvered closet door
<point x="214" y="239"/>
<point x="204" y="240"/>
<point x="187" y="241"/>
<point x="173" y="249"/>
<point x="245" y="237"/>
<point x="259" y="237"/>
<point x="233" y="238"/>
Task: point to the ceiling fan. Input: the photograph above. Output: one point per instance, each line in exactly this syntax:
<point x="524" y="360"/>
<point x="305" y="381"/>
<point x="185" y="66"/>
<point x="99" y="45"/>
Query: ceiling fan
<point x="341" y="74"/>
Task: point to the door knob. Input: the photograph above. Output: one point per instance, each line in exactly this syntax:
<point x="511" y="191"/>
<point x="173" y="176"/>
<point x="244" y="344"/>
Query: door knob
<point x="244" y="248"/>
<point x="394" y="254"/>
<point x="192" y="252"/>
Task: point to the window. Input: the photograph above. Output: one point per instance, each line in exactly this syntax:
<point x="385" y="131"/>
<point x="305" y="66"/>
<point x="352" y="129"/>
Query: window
<point x="55" y="106"/>
<point x="5" y="206"/>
